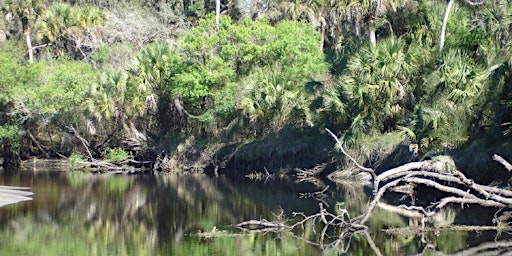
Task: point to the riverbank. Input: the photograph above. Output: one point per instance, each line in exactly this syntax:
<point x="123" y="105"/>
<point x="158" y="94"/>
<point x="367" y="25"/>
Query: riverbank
<point x="297" y="148"/>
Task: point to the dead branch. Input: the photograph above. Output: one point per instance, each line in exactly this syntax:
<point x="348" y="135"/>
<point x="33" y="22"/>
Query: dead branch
<point x="38" y="144"/>
<point x="403" y="210"/>
<point x="438" y="173"/>
<point x="502" y="161"/>
<point x="260" y="225"/>
<point x="84" y="142"/>
<point x="370" y="170"/>
<point x="366" y="169"/>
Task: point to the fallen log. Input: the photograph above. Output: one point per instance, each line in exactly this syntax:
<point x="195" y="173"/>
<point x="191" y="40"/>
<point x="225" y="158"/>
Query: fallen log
<point x="438" y="173"/>
<point x="260" y="225"/>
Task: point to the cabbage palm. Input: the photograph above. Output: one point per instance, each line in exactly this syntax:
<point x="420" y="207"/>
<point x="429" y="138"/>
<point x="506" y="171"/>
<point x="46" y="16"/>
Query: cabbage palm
<point x="153" y="66"/>
<point x="107" y="95"/>
<point x="26" y="11"/>
<point x="56" y="20"/>
<point x="63" y="25"/>
<point x="378" y="82"/>
<point x="272" y="99"/>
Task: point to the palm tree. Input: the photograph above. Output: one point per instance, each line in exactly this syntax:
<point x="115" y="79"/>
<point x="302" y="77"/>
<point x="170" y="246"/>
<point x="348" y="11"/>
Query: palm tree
<point x="27" y="11"/>
<point x="377" y="83"/>
<point x="55" y="21"/>
<point x="273" y="98"/>
<point x="152" y="67"/>
<point x="63" y="25"/>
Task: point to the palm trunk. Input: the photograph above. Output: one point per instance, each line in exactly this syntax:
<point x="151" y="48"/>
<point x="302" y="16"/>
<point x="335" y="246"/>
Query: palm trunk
<point x="30" y="49"/>
<point x="445" y="21"/>
<point x="26" y="32"/>
<point x="371" y="31"/>
<point x="322" y="29"/>
<point x="217" y="12"/>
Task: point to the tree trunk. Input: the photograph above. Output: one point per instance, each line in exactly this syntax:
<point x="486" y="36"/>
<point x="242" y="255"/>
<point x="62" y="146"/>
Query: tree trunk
<point x="371" y="31"/>
<point x="443" y="28"/>
<point x="322" y="30"/>
<point x="26" y="32"/>
<point x="217" y="12"/>
<point x="30" y="50"/>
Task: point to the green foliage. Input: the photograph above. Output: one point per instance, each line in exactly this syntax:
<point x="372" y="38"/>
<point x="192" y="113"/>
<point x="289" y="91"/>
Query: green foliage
<point x="274" y="98"/>
<point x="60" y="19"/>
<point x="77" y="160"/>
<point x="154" y="65"/>
<point x="258" y="75"/>
<point x="54" y="92"/>
<point x="377" y="85"/>
<point x="114" y="95"/>
<point x="115" y="155"/>
<point x="9" y="134"/>
<point x="214" y="57"/>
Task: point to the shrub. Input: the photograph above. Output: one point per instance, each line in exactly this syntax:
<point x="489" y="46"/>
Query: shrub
<point x="115" y="155"/>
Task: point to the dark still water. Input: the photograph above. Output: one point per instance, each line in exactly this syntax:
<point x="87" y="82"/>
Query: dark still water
<point x="76" y="213"/>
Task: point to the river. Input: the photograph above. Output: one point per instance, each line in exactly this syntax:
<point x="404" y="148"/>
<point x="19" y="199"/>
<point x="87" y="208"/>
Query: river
<point x="76" y="213"/>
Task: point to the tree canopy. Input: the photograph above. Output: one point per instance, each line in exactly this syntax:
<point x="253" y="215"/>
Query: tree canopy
<point x="142" y="76"/>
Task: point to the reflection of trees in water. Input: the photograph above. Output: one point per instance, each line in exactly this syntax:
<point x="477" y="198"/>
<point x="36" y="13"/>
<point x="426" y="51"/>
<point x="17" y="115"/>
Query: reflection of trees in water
<point x="78" y="213"/>
<point x="147" y="213"/>
<point x="155" y="210"/>
<point x="191" y="203"/>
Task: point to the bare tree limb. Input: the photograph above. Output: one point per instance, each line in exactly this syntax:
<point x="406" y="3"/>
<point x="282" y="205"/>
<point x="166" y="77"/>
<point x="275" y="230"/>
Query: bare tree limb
<point x="85" y="143"/>
<point x="370" y="170"/>
<point x="366" y="169"/>
<point x="39" y="145"/>
<point x="502" y="161"/>
<point x="439" y="174"/>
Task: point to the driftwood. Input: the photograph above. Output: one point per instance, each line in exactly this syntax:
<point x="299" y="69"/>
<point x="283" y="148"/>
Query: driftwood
<point x="489" y="248"/>
<point x="12" y="195"/>
<point x="502" y="161"/>
<point x="438" y="173"/>
<point x="260" y="226"/>
<point x="104" y="165"/>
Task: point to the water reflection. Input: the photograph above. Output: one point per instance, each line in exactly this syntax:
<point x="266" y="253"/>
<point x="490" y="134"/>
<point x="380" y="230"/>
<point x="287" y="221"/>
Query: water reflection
<point x="84" y="214"/>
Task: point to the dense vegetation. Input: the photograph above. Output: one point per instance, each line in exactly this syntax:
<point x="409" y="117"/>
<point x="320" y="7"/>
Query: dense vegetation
<point x="145" y="79"/>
